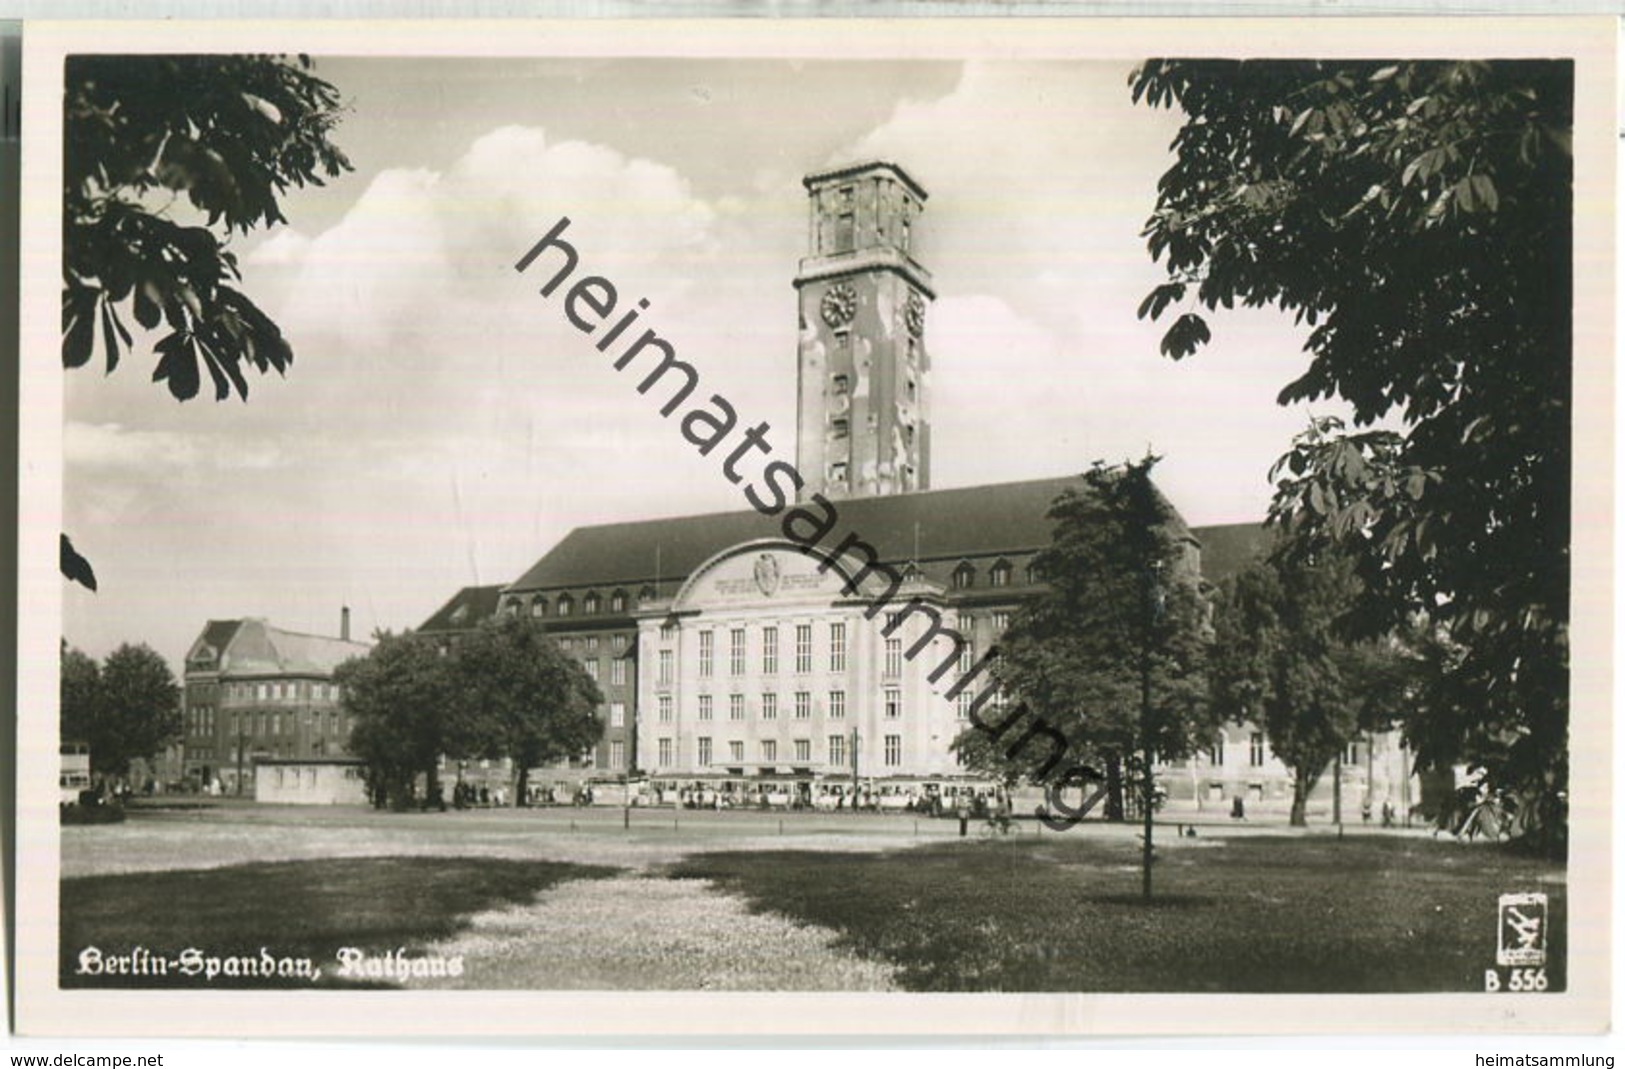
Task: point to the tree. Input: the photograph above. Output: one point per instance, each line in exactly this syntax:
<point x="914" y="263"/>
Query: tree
<point x="1417" y="216"/>
<point x="1281" y="661"/>
<point x="406" y="709"/>
<point x="127" y="708"/>
<point x="233" y="133"/>
<point x="1111" y="653"/>
<point x="82" y="695"/>
<point x="524" y="698"/>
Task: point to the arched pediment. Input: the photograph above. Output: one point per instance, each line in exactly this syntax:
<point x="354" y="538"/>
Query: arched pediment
<point x="764" y="574"/>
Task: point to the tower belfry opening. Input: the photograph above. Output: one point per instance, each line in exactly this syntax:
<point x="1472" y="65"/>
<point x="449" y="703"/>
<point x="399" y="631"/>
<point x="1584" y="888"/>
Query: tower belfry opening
<point x="863" y="427"/>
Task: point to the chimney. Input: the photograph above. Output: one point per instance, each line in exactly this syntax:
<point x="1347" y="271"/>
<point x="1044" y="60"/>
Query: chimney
<point x="344" y="623"/>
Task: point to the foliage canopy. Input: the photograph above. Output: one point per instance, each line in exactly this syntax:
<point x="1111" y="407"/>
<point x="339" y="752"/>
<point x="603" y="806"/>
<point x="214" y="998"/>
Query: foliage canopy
<point x="406" y="712"/>
<point x="233" y="133"/>
<point x="504" y="689"/>
<point x="1121" y="597"/>
<point x="125" y="708"/>
<point x="1417" y="216"/>
<point x="1282" y="661"/>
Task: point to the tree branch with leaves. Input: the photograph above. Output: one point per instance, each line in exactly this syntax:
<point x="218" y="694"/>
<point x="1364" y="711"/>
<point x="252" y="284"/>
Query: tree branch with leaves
<point x="1417" y="218"/>
<point x="233" y="134"/>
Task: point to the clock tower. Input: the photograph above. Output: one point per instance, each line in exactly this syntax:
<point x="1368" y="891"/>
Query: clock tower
<point x="861" y="426"/>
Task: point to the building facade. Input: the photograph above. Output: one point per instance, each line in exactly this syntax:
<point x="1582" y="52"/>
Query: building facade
<point x="316" y="781"/>
<point x="254" y="692"/>
<point x="727" y="651"/>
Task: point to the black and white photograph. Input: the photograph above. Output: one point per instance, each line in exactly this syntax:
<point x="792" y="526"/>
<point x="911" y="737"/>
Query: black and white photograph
<point x="1110" y="523"/>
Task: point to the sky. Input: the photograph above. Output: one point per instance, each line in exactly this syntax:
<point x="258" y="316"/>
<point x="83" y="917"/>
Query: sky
<point x="443" y="425"/>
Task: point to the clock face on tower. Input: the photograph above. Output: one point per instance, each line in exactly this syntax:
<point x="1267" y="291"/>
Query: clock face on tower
<point x="839" y="304"/>
<point x="914" y="315"/>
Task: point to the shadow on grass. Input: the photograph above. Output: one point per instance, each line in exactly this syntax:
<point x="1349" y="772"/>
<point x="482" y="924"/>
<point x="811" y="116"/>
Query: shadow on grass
<point x="136" y="930"/>
<point x="1365" y="914"/>
<point x="1170" y="903"/>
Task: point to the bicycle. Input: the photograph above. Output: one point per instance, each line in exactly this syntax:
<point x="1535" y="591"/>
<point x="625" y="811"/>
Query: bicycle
<point x="999" y="825"/>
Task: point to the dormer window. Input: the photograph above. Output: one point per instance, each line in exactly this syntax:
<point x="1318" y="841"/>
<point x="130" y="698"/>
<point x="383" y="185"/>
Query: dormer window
<point x="566" y="605"/>
<point x="511" y="607"/>
<point x="646" y="595"/>
<point x="999" y="575"/>
<point x="964" y="577"/>
<point x="538" y="606"/>
<point x="589" y="605"/>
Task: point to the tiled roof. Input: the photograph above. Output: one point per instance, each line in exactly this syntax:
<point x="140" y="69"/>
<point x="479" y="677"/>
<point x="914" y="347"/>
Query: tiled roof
<point x="926" y="525"/>
<point x="1229" y="548"/>
<point x="217" y="635"/>
<point x="257" y="648"/>
<point x="936" y="528"/>
<point x="466" y="608"/>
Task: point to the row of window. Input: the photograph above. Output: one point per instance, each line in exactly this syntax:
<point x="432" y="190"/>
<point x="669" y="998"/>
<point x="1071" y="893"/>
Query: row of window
<point x="840" y="426"/>
<point x="770" y="650"/>
<point x="283" y="690"/>
<point x="801" y="707"/>
<point x="836" y="651"/>
<point x="592" y="603"/>
<point x="997" y="622"/>
<point x="200" y="720"/>
<point x="835" y="751"/>
<point x="845" y="221"/>
<point x="839" y="470"/>
<point x="304" y="777"/>
<point x="263" y="724"/>
<point x="617" y="671"/>
<point x="1256" y="751"/>
<point x="229" y="755"/>
<point x="589" y="644"/>
<point x="964" y="576"/>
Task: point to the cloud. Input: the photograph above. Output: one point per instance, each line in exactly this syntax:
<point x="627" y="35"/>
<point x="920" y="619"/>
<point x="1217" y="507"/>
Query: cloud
<point x="112" y="447"/>
<point x="442" y="423"/>
<point x="1040" y="214"/>
<point x="285" y="246"/>
<point x="420" y="239"/>
<point x="1039" y="176"/>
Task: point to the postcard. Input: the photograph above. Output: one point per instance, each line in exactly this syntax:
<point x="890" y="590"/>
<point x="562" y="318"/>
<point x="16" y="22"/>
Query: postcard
<point x="808" y="528"/>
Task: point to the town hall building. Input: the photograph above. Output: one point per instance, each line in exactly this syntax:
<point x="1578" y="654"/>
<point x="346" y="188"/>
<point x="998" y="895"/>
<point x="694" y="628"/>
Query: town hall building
<point x="727" y="653"/>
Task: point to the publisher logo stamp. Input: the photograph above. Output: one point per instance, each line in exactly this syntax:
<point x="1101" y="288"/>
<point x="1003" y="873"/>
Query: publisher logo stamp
<point x="1522" y="930"/>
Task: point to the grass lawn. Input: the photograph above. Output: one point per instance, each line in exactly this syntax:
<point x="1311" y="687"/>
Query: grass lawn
<point x="1361" y="914"/>
<point x="295" y="909"/>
